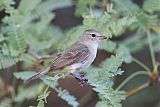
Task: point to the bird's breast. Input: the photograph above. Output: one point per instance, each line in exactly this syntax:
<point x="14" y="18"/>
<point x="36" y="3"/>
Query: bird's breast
<point x="93" y="52"/>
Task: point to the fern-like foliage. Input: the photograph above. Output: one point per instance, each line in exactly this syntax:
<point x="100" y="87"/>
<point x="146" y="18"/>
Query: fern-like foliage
<point x="34" y="91"/>
<point x="29" y="23"/>
<point x="20" y="26"/>
<point x="101" y="79"/>
<point x="144" y="21"/>
<point x="71" y="100"/>
<point x="12" y="46"/>
<point x="50" y="81"/>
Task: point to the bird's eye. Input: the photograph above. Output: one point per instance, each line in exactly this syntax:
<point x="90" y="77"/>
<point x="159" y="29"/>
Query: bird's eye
<point x="93" y="35"/>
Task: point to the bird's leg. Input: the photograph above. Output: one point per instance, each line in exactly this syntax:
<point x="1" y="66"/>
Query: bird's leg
<point x="79" y="76"/>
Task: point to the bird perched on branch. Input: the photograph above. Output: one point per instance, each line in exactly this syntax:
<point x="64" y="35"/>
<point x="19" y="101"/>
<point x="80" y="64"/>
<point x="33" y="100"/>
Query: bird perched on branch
<point x="78" y="56"/>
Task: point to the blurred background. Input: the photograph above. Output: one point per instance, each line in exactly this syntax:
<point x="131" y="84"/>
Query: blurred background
<point x="65" y="19"/>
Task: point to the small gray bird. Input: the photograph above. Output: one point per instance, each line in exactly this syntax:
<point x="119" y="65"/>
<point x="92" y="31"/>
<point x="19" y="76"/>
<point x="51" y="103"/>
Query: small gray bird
<point x="78" y="56"/>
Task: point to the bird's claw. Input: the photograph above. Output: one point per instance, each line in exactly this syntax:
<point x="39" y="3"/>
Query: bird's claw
<point x="81" y="77"/>
<point x="84" y="81"/>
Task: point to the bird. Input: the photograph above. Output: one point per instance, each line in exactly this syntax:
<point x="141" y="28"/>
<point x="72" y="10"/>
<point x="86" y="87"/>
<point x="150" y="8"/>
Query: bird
<point x="78" y="56"/>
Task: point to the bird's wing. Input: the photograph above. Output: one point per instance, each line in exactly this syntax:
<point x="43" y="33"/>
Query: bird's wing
<point x="74" y="54"/>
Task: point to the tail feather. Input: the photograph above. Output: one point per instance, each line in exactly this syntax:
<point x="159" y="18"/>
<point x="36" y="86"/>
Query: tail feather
<point x="37" y="75"/>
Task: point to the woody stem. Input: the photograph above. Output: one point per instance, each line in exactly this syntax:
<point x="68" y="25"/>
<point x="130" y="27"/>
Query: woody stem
<point x="130" y="78"/>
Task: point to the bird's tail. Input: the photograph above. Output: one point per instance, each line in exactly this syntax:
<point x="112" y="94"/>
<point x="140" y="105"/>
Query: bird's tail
<point x="37" y="75"/>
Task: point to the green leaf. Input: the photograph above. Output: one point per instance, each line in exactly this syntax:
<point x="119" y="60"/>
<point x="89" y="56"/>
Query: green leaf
<point x="25" y="93"/>
<point x="26" y="6"/>
<point x="112" y="64"/>
<point x="138" y="41"/>
<point x="50" y="81"/>
<point x="125" y="53"/>
<point x="109" y="97"/>
<point x="5" y="103"/>
<point x="71" y="100"/>
<point x="151" y="5"/>
<point x="81" y="6"/>
<point x="101" y="104"/>
<point x="41" y="103"/>
<point x="44" y="96"/>
<point x="24" y="75"/>
<point x="101" y="79"/>
<point x="108" y="26"/>
<point x="147" y="20"/>
<point x="63" y="94"/>
<point x="12" y="49"/>
<point x="135" y="42"/>
<point x="126" y="7"/>
<point x="7" y="61"/>
<point x="109" y="46"/>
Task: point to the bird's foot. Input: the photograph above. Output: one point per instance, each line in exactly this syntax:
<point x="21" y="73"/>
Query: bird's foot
<point x="81" y="77"/>
<point x="84" y="81"/>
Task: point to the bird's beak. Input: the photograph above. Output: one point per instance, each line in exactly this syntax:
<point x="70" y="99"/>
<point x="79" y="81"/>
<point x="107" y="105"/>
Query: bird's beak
<point x="102" y="37"/>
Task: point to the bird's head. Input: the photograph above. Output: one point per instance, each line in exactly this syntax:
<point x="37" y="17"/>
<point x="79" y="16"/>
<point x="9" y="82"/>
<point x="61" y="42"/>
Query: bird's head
<point x="92" y="36"/>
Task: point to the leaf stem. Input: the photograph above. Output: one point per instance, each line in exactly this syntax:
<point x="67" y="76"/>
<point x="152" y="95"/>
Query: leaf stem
<point x="130" y="78"/>
<point x="151" y="50"/>
<point x="141" y="64"/>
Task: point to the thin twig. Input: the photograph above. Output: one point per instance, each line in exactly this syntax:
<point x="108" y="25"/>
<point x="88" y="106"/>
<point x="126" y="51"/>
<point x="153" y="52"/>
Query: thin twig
<point x="141" y="64"/>
<point x="40" y="59"/>
<point x="151" y="50"/>
<point x="85" y="99"/>
<point x="130" y="78"/>
<point x="138" y="89"/>
<point x="154" y="76"/>
<point x="32" y="53"/>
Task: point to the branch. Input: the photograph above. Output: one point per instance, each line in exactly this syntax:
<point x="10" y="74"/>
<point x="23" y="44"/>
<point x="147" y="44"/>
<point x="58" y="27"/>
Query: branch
<point x="138" y="89"/>
<point x="141" y="64"/>
<point x="88" y="97"/>
<point x="154" y="79"/>
<point x="151" y="50"/>
<point x="130" y="78"/>
<point x="40" y="59"/>
<point x="31" y="52"/>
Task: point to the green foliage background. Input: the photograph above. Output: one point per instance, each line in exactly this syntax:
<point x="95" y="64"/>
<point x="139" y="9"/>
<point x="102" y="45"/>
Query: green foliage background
<point x="29" y="24"/>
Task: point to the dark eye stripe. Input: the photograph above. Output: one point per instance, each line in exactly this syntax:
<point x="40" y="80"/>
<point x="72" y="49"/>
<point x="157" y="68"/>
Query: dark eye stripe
<point x="93" y="35"/>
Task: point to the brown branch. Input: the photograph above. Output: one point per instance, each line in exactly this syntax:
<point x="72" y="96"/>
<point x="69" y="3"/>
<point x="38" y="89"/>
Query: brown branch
<point x="85" y="99"/>
<point x="154" y="79"/>
<point x="39" y="59"/>
<point x="35" y="55"/>
<point x="32" y="53"/>
<point x="138" y="89"/>
<point x="5" y="90"/>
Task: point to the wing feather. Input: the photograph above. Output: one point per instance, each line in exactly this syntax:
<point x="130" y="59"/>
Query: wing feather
<point x="75" y="54"/>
